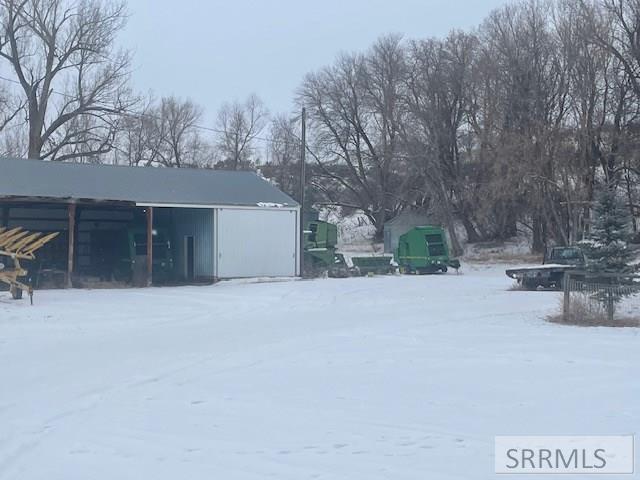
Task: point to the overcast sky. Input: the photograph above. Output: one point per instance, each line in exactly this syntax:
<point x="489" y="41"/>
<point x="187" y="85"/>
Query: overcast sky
<point x="213" y="51"/>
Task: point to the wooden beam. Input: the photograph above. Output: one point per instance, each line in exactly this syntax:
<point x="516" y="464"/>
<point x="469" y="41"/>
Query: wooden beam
<point x="71" y="242"/>
<point x="17" y="200"/>
<point x="149" y="246"/>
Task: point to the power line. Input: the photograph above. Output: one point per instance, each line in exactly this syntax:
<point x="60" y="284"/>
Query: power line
<point x="141" y="115"/>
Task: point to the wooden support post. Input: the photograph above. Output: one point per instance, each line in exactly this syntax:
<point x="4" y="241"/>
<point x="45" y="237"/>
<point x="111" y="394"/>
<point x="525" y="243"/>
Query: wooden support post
<point x="149" y="246"/>
<point x="566" y="304"/>
<point x="71" y="242"/>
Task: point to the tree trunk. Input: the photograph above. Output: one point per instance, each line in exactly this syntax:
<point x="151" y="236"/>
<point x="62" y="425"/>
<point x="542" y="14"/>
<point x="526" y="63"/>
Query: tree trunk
<point x="456" y="246"/>
<point x="379" y="219"/>
<point x="538" y="243"/>
<point x="35" y="132"/>
<point x="472" y="234"/>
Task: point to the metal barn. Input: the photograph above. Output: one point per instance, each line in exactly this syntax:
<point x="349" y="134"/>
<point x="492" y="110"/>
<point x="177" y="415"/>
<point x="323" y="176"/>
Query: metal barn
<point x="150" y="225"/>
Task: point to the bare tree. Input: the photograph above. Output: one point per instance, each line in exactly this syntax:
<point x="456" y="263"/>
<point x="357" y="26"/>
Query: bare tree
<point x="438" y="98"/>
<point x="239" y="124"/>
<point x="621" y="39"/>
<point x="10" y="105"/>
<point x="283" y="155"/>
<point x="138" y="142"/>
<point x="163" y="133"/>
<point x="176" y="123"/>
<point x="73" y="82"/>
<point x="356" y="114"/>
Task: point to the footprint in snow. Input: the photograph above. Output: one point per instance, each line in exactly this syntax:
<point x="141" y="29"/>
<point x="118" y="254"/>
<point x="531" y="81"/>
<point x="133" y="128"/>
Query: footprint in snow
<point x="78" y="451"/>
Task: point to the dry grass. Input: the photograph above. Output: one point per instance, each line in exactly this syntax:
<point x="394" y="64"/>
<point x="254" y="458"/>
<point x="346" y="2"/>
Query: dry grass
<point x="512" y="251"/>
<point x="585" y="312"/>
<point x="503" y="257"/>
<point x="518" y="287"/>
<point x="92" y="283"/>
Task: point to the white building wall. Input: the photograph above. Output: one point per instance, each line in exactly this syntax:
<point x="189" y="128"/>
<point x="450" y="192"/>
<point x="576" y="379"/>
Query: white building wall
<point x="256" y="242"/>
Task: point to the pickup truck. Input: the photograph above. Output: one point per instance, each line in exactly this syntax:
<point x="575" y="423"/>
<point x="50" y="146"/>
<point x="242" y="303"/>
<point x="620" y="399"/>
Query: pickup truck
<point x="556" y="262"/>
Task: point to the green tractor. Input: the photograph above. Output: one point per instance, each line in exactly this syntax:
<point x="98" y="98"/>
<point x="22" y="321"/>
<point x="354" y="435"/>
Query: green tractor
<point x="133" y="255"/>
<point x="424" y="250"/>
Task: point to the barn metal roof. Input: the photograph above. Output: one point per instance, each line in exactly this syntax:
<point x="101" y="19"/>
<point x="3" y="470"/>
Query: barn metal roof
<point x="172" y="186"/>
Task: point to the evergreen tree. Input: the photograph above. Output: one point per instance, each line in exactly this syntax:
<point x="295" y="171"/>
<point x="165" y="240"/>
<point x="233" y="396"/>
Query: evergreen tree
<point x="606" y="248"/>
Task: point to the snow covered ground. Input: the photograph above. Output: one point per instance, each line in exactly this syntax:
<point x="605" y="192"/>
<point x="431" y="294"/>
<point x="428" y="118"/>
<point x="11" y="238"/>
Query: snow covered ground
<point x="398" y="377"/>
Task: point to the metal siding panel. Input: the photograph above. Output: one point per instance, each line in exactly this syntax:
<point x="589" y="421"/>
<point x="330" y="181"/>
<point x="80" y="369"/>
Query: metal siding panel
<point x="255" y="243"/>
<point x="199" y="224"/>
<point x="215" y="243"/>
<point x="298" y="231"/>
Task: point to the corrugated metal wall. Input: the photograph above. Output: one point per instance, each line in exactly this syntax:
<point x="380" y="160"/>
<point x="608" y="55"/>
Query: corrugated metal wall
<point x="196" y="222"/>
<point x="256" y="242"/>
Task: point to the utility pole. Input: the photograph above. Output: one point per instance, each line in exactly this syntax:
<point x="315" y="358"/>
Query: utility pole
<point x="303" y="147"/>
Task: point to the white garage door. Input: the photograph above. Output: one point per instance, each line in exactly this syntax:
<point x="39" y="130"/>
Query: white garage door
<point x="256" y="243"/>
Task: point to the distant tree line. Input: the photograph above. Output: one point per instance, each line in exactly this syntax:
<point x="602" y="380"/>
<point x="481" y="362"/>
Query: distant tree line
<point x="506" y="128"/>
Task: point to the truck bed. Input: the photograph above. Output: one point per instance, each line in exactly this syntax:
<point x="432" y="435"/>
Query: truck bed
<point x="528" y="270"/>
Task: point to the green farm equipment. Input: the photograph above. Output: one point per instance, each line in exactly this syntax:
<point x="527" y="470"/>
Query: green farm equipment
<point x="424" y="250"/>
<point x="420" y="250"/>
<point x="320" y="241"/>
<point x="17" y="244"/>
<point x="129" y="247"/>
<point x="320" y="254"/>
<point x="379" y="265"/>
<point x="162" y="251"/>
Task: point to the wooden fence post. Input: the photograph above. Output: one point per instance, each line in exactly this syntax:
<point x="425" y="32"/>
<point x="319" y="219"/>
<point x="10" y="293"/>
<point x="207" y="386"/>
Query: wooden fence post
<point x="610" y="305"/>
<point x="566" y="304"/>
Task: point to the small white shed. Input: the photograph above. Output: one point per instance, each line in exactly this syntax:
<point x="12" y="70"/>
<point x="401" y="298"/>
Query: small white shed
<point x="401" y="224"/>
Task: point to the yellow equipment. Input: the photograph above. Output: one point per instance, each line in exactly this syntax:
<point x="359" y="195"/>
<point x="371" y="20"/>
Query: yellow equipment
<point x="18" y="244"/>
